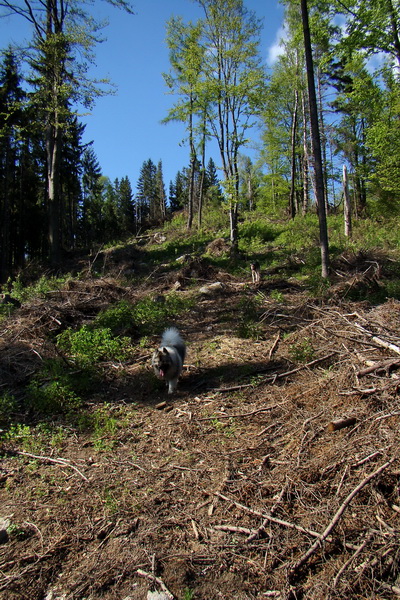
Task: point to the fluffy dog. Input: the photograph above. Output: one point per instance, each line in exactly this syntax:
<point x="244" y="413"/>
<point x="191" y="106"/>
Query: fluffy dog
<point x="255" y="272"/>
<point x="167" y="361"/>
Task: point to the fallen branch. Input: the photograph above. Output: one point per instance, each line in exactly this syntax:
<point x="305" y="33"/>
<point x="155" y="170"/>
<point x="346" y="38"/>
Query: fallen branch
<point x="242" y="415"/>
<point x="267" y="517"/>
<point x="233" y="529"/>
<point x="385" y="365"/>
<point x="58" y="461"/>
<point x="379" y="341"/>
<point x="156" y="580"/>
<point x="292" y="371"/>
<point x="336" y="517"/>
<point x="274" y="345"/>
<point x="341" y="424"/>
<point x="272" y="378"/>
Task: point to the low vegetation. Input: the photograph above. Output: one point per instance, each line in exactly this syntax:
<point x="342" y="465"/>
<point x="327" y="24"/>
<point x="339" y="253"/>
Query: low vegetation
<point x="110" y="488"/>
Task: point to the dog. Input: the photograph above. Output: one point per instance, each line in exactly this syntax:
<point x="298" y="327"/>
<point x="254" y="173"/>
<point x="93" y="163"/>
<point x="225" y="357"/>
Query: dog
<point x="255" y="272"/>
<point x="167" y="360"/>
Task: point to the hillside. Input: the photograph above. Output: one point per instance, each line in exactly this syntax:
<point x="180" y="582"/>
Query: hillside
<point x="273" y="472"/>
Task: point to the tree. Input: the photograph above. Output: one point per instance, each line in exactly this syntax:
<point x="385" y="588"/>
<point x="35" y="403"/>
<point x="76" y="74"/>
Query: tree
<point x="233" y="87"/>
<point x="146" y="196"/>
<point x="316" y="144"/>
<point x="126" y="208"/>
<point x="161" y="209"/>
<point x="90" y="213"/>
<point x="187" y="63"/>
<point x="178" y="193"/>
<point x="62" y="31"/>
<point x="372" y="26"/>
<point x="11" y="96"/>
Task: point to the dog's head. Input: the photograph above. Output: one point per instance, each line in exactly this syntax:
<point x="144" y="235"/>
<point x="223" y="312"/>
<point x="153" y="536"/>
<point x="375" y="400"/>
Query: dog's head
<point x="161" y="362"/>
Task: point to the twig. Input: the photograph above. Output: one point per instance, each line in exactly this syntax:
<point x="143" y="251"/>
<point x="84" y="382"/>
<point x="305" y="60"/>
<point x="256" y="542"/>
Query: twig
<point x="292" y="371"/>
<point x="58" y="461"/>
<point x="242" y="415"/>
<point x="157" y="580"/>
<point x="390" y="588"/>
<point x="379" y="341"/>
<point x="273" y="378"/>
<point x="274" y="345"/>
<point x="302" y="560"/>
<point x="233" y="529"/>
<point x="350" y="560"/>
<point x="384" y="365"/>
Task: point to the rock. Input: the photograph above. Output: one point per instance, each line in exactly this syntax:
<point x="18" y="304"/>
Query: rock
<point x="158" y="596"/>
<point x="212" y="288"/>
<point x="184" y="258"/>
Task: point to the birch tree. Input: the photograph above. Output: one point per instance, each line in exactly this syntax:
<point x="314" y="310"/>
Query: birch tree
<point x="234" y="82"/>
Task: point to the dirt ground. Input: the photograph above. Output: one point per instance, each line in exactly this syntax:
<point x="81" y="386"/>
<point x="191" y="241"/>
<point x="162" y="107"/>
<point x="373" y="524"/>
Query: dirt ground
<point x="273" y="472"/>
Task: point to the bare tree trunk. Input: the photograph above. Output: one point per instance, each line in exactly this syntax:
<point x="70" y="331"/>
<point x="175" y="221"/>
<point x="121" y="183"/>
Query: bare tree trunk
<point x="347" y="205"/>
<point x="53" y="142"/>
<point x="292" y="203"/>
<point x="306" y="171"/>
<point x="192" y="167"/>
<point x="316" y="143"/>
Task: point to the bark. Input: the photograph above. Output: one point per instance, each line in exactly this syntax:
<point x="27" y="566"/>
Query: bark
<point x="292" y="202"/>
<point x="347" y="205"/>
<point x="306" y="172"/>
<point x="316" y="143"/>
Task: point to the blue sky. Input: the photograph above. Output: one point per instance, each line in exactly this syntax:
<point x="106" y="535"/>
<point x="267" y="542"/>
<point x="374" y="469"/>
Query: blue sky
<point x="125" y="127"/>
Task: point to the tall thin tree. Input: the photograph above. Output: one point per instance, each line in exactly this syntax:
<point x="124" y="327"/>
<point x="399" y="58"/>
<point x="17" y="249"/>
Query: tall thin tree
<point x="316" y="143"/>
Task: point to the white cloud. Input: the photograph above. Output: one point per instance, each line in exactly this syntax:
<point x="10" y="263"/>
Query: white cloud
<point x="277" y="48"/>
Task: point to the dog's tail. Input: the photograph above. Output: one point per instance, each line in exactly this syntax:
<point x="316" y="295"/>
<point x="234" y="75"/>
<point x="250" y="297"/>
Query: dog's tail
<point x="171" y="337"/>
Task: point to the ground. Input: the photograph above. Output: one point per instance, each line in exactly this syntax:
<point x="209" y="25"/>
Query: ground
<point x="273" y="472"/>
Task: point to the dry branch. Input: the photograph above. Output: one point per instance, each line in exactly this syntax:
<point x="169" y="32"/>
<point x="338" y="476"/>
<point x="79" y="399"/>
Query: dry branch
<point x="342" y="423"/>
<point x="336" y="518"/>
<point x="379" y="341"/>
<point x="156" y="580"/>
<point x="384" y="365"/>
<point x="58" y="461"/>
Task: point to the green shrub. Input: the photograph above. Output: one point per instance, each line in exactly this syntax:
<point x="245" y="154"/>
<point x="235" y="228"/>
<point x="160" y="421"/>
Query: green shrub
<point x="119" y="317"/>
<point x="302" y="351"/>
<point x="8" y="406"/>
<point x="88" y="346"/>
<point x="52" y="398"/>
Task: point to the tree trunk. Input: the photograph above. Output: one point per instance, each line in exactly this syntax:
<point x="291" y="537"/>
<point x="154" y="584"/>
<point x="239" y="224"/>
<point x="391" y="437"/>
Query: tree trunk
<point x="292" y="203"/>
<point x="316" y="143"/>
<point x="192" y="167"/>
<point x="306" y="173"/>
<point x="347" y="205"/>
<point x="53" y="143"/>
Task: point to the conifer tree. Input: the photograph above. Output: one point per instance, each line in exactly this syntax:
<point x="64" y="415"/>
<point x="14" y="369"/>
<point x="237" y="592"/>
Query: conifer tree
<point x="146" y="196"/>
<point x="62" y="31"/>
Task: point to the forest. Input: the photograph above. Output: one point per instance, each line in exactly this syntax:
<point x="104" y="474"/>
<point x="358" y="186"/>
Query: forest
<point x="55" y="200"/>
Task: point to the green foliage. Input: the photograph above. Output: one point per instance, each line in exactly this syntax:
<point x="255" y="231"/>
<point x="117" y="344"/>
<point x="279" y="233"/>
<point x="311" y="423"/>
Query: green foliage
<point x="54" y="397"/>
<point x="302" y="351"/>
<point x="8" y="406"/>
<point x="88" y="346"/>
<point x="21" y="435"/>
<point x="253" y="235"/>
<point x="249" y="317"/>
<point x="151" y="317"/>
<point x="43" y="286"/>
<point x="277" y="296"/>
<point x="119" y="317"/>
<point x="102" y="425"/>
